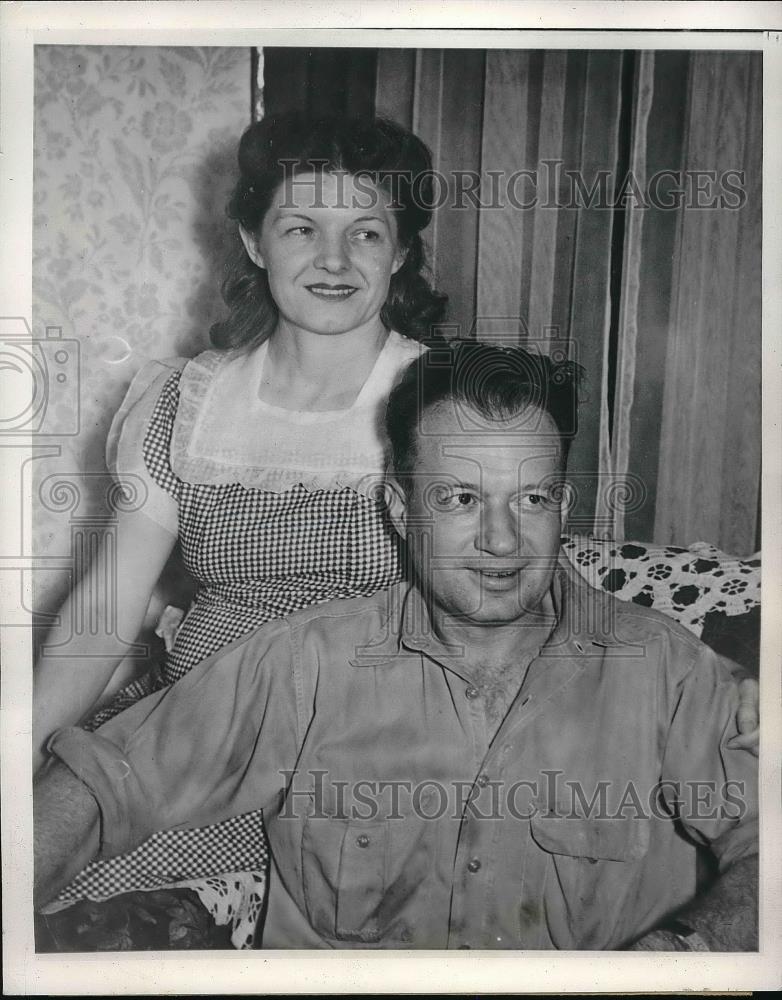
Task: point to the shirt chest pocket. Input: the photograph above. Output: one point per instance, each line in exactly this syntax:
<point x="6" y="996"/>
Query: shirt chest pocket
<point x="591" y="840"/>
<point x="344" y="872"/>
<point x="596" y="864"/>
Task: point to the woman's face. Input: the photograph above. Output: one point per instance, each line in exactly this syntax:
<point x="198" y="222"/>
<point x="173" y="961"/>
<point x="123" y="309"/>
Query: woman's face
<point x="329" y="246"/>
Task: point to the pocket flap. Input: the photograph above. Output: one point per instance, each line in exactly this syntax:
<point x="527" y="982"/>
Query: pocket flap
<point x="620" y="839"/>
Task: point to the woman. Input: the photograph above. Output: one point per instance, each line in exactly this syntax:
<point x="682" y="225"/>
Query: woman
<point x="262" y="456"/>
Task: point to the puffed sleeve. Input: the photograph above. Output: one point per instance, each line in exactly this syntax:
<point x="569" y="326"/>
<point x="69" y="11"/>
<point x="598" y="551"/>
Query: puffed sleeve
<point x="214" y="745"/>
<point x="140" y="435"/>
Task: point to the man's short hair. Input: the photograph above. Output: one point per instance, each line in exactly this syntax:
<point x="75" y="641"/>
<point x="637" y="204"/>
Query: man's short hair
<point x="497" y="382"/>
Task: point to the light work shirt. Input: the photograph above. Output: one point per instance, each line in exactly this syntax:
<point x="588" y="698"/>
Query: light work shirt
<point x="398" y="819"/>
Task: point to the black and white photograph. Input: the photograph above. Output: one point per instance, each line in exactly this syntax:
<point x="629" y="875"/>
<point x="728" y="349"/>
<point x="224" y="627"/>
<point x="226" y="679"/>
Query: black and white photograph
<point x="388" y="433"/>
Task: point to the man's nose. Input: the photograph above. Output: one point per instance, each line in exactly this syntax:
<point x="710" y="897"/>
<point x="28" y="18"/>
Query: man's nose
<point x="332" y="254"/>
<point x="499" y="531"/>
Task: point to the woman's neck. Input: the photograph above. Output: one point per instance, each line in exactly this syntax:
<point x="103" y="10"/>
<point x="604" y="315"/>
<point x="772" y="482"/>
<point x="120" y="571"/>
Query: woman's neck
<point x="308" y="371"/>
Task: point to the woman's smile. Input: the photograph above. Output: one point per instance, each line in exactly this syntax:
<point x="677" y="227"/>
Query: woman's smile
<point x="333" y="293"/>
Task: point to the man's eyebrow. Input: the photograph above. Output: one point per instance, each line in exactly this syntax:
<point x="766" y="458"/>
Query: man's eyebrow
<point x="546" y="484"/>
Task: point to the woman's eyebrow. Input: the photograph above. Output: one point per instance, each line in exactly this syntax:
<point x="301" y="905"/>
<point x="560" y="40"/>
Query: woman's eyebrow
<point x="286" y="213"/>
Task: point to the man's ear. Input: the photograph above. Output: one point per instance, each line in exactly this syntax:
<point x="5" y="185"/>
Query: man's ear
<point x="396" y="503"/>
<point x="566" y="505"/>
<point x="251" y="246"/>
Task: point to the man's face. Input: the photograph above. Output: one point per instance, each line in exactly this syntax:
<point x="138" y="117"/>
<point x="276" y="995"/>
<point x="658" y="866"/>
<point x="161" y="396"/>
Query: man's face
<point x="484" y="515"/>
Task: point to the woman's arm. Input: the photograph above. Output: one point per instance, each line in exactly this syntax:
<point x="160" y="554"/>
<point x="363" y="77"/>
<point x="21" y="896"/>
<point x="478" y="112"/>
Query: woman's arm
<point x="66" y="687"/>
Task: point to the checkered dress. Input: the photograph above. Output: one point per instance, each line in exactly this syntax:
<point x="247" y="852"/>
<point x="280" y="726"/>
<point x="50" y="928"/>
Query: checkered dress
<point x="258" y="555"/>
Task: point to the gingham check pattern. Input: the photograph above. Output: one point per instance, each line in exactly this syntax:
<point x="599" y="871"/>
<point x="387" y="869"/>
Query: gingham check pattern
<point x="257" y="555"/>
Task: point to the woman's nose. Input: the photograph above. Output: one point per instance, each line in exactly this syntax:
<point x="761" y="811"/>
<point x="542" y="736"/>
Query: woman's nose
<point x="332" y="254"/>
<point x="499" y="531"/>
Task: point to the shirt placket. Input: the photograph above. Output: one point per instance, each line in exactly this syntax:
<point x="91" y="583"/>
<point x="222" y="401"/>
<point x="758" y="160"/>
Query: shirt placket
<point x="479" y="857"/>
<point x="471" y="868"/>
<point x="487" y="859"/>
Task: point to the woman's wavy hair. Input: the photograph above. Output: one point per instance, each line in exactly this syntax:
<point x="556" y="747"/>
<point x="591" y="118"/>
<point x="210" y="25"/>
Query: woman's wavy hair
<point x="391" y="157"/>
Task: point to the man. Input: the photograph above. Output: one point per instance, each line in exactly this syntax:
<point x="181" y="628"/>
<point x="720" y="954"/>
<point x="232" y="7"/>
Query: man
<point x="494" y="756"/>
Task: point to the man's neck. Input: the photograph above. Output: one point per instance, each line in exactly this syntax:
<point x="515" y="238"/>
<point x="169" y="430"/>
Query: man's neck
<point x="497" y="659"/>
<point x="495" y="643"/>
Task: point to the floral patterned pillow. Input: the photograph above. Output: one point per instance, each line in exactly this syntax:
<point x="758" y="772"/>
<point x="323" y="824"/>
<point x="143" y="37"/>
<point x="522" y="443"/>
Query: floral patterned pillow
<point x="686" y="584"/>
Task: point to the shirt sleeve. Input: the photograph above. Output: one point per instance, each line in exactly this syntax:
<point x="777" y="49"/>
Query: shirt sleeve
<point x="214" y="745"/>
<point x="716" y="786"/>
<point x="139" y="440"/>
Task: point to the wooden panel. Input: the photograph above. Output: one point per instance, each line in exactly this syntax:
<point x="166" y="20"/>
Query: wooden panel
<point x="395" y="85"/>
<point x="699" y="370"/>
<point x="428" y="124"/>
<point x="502" y="230"/>
<point x="320" y="81"/>
<point x="590" y="305"/>
<point x="358" y="88"/>
<point x="546" y="214"/>
<point x="567" y="215"/>
<point x="447" y="115"/>
<point x="285" y="80"/>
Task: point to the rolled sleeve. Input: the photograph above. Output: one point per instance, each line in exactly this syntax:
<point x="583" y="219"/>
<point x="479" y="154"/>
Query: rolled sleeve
<point x="103" y="768"/>
<point x="212" y="746"/>
<point x="719" y="800"/>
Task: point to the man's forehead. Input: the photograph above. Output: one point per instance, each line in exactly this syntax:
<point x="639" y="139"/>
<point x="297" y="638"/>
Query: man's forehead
<point x="453" y="433"/>
<point x="472" y="461"/>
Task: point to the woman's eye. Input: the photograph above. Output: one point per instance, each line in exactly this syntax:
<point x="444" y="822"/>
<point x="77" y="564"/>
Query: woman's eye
<point x="368" y="236"/>
<point x="299" y="231"/>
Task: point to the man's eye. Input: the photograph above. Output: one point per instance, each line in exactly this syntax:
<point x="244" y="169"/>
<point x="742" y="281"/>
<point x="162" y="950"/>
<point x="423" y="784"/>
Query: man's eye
<point x="449" y="499"/>
<point x="534" y="500"/>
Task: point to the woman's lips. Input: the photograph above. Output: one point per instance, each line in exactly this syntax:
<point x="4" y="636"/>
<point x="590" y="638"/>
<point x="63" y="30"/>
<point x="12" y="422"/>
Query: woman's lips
<point x="333" y="293"/>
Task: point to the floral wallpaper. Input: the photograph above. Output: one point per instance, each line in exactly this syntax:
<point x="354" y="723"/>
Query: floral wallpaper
<point x="134" y="158"/>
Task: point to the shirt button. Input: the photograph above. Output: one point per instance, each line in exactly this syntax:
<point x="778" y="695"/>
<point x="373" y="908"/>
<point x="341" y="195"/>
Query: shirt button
<point x="482" y="780"/>
<point x="474" y="865"/>
<point x="472" y="692"/>
<point x="362" y="840"/>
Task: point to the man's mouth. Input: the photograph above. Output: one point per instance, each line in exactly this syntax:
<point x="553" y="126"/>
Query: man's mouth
<point x="499" y="579"/>
<point x="332" y="292"/>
